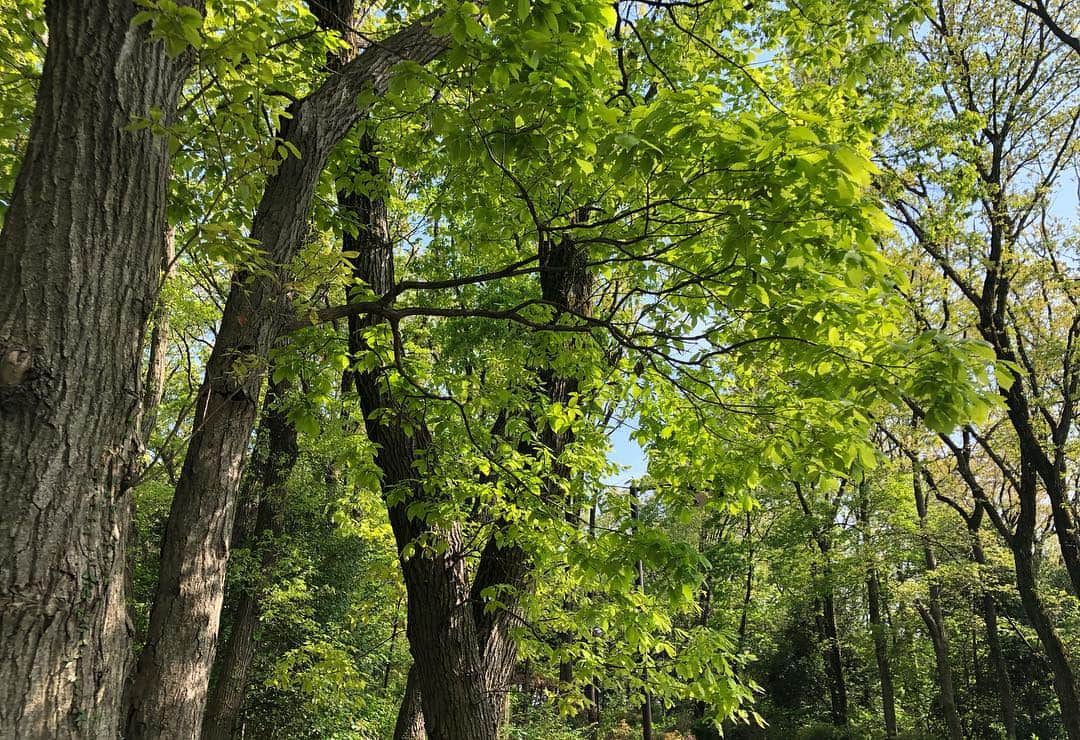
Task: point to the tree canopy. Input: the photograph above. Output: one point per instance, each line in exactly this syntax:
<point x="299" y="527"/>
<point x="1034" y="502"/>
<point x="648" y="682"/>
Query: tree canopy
<point x="324" y="322"/>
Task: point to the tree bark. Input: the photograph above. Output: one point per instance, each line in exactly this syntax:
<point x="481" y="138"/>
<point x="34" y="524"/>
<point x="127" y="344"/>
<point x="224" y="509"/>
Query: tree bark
<point x="233" y="666"/>
<point x="170" y="686"/>
<point x="410" y="719"/>
<point x="881" y="654"/>
<point x="80" y="253"/>
<point x="826" y="616"/>
<point x="444" y="635"/>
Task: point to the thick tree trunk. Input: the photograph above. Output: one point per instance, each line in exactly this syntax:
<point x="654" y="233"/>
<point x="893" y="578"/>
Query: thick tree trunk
<point x="463" y="653"/>
<point x="169" y="690"/>
<point x="80" y="253"/>
<point x="444" y="636"/>
<point x="233" y="667"/>
<point x="410" y="719"/>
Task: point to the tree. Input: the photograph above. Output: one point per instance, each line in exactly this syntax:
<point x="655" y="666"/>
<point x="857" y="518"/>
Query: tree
<point x="196" y="544"/>
<point x="82" y="246"/>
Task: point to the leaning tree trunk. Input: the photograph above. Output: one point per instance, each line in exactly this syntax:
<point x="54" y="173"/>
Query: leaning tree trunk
<point x="443" y="635"/>
<point x="1022" y="544"/>
<point x="80" y="253"/>
<point x="233" y="667"/>
<point x="170" y="686"/>
<point x="463" y="653"/>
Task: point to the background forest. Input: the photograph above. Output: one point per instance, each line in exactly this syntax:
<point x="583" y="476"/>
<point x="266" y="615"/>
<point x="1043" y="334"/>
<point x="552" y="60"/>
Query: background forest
<point x="554" y="369"/>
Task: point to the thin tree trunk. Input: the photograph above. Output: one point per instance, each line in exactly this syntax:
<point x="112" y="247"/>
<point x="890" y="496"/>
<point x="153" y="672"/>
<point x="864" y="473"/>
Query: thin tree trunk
<point x="826" y="619"/>
<point x="154" y="387"/>
<point x="233" y="666"/>
<point x="934" y="618"/>
<point x="877" y="627"/>
<point x="834" y="661"/>
<point x="1022" y="544"/>
<point x="170" y="686"/>
<point x="881" y="654"/>
<point x="80" y="253"/>
<point x="410" y="718"/>
<point x="993" y="641"/>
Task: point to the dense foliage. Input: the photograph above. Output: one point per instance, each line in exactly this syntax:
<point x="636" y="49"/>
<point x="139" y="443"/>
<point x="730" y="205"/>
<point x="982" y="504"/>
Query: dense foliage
<point x="414" y="278"/>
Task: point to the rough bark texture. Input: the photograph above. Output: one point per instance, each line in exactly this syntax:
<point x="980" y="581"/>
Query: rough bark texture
<point x="170" y="686"/>
<point x="444" y="637"/>
<point x="410" y="719"/>
<point x="80" y="253"/>
<point x="233" y="666"/>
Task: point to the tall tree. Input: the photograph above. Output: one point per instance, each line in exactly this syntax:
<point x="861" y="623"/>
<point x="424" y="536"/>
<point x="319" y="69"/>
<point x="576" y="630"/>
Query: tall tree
<point x="169" y="689"/>
<point x="80" y="257"/>
<point x="973" y="181"/>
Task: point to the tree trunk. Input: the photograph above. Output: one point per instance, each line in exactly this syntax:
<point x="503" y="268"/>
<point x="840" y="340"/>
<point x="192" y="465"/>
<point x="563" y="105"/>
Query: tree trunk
<point x="1064" y="678"/>
<point x="993" y="641"/>
<point x="170" y="686"/>
<point x="934" y="618"/>
<point x="233" y="667"/>
<point x="444" y="635"/>
<point x="80" y="253"/>
<point x="410" y="719"/>
<point x="881" y="654"/>
<point x="877" y="626"/>
<point x="834" y="661"/>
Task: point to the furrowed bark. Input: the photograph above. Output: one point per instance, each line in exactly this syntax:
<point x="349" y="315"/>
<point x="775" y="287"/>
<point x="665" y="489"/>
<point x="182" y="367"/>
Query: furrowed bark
<point x="443" y="636"/>
<point x="80" y="253"/>
<point x="463" y="653"/>
<point x="233" y="667"/>
<point x="170" y="686"/>
<point x="410" y="719"/>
